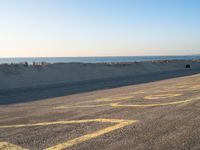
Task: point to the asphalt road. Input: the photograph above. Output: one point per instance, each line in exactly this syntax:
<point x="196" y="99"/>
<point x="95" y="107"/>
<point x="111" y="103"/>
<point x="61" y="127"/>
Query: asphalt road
<point x="158" y="115"/>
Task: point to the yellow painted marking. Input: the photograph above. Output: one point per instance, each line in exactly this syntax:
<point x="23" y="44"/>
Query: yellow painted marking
<point x="195" y="87"/>
<point x="63" y="122"/>
<point x="161" y="96"/>
<point x="107" y="99"/>
<point x="152" y="105"/>
<point x="139" y="105"/>
<point x="119" y="123"/>
<point x="181" y="86"/>
<point x="81" y="106"/>
<point x="9" y="146"/>
<point x="104" y="99"/>
<point x="134" y="93"/>
<point x="90" y="136"/>
<point x="176" y="87"/>
<point x="110" y="99"/>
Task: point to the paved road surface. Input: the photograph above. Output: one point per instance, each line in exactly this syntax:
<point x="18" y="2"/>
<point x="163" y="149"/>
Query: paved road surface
<point x="158" y="115"/>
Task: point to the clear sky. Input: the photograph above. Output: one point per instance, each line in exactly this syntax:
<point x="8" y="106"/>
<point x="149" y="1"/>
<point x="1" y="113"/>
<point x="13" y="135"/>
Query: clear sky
<point x="45" y="28"/>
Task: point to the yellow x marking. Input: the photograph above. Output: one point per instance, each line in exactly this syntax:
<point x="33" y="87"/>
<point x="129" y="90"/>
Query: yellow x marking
<point x="8" y="146"/>
<point x="118" y="124"/>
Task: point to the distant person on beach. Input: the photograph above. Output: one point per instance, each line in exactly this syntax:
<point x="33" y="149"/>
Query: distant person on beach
<point x="187" y="66"/>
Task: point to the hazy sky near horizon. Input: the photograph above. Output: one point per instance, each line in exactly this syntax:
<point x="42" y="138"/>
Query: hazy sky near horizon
<point x="46" y="28"/>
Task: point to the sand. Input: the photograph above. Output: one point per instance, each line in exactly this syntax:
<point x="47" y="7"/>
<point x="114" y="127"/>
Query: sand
<point x="19" y="76"/>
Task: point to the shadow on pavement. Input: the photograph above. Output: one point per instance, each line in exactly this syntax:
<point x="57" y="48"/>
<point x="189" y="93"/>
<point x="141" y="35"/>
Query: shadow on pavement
<point x="27" y="94"/>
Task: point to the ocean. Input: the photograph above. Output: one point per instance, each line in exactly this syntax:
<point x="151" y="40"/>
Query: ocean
<point x="96" y="59"/>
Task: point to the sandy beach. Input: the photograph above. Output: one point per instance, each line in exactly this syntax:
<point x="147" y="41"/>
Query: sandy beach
<point x="20" y="76"/>
<point x="25" y="84"/>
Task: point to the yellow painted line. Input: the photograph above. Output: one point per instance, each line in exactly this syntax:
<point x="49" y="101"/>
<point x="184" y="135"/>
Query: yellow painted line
<point x="110" y="99"/>
<point x="106" y="99"/>
<point x="137" y="92"/>
<point x="181" y="86"/>
<point x="133" y="93"/>
<point x="152" y="105"/>
<point x="63" y="122"/>
<point x="142" y="105"/>
<point x="176" y="87"/>
<point x="90" y="136"/>
<point x="161" y="96"/>
<point x="9" y="146"/>
<point x="119" y="123"/>
<point x="81" y="106"/>
<point x="195" y="87"/>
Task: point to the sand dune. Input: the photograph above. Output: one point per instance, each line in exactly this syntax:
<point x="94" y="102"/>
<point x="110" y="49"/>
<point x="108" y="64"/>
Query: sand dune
<point x="19" y="76"/>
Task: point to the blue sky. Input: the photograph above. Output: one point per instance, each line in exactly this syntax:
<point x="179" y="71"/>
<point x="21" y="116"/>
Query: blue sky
<point x="45" y="28"/>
